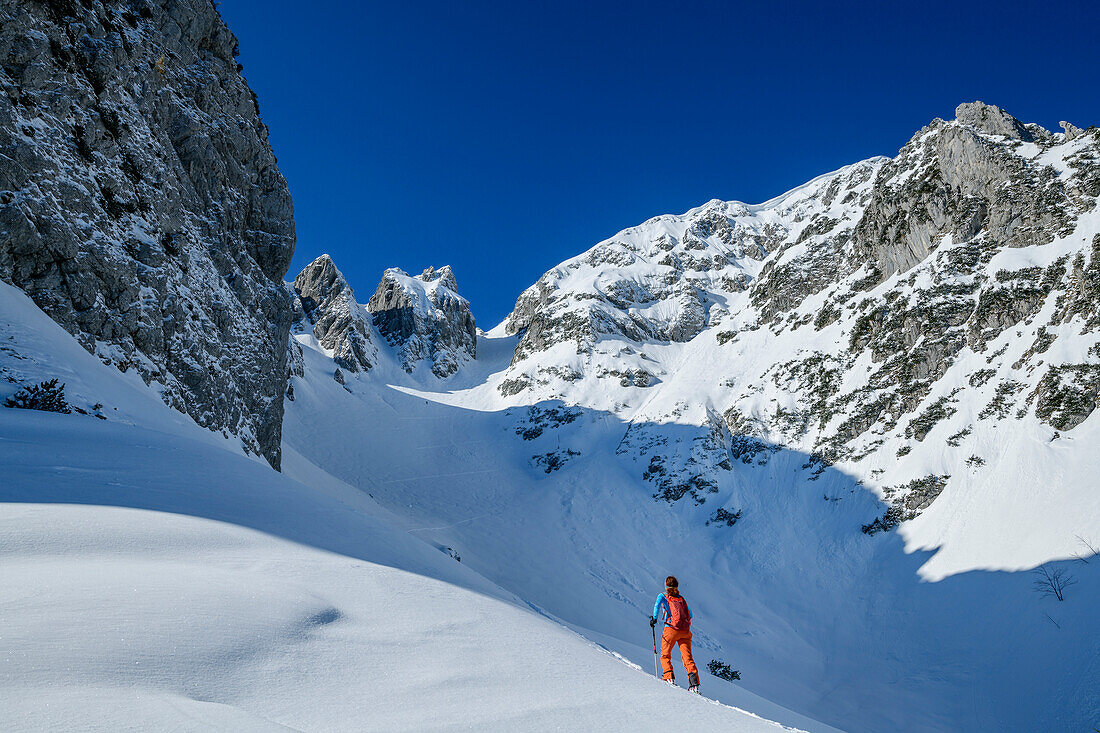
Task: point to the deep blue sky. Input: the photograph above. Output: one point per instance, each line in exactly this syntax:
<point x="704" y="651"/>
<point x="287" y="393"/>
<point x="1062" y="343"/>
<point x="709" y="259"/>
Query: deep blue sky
<point x="502" y="138"/>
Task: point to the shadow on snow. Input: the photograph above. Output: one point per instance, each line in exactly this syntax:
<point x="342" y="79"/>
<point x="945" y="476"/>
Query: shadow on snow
<point x="542" y="500"/>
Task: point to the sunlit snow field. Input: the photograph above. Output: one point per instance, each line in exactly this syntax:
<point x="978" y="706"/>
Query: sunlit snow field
<point x="155" y="578"/>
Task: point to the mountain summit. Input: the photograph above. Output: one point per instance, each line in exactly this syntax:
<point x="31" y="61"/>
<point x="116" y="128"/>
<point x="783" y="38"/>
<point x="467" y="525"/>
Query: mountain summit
<point x="427" y="318"/>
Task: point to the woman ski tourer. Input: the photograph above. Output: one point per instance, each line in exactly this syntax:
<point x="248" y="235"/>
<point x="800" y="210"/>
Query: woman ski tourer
<point x="677" y="630"/>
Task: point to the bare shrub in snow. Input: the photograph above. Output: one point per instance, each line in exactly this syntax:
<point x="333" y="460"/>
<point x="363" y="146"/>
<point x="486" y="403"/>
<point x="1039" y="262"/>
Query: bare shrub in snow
<point x="888" y="521"/>
<point x="1090" y="550"/>
<point x="1052" y="582"/>
<point x="725" y="516"/>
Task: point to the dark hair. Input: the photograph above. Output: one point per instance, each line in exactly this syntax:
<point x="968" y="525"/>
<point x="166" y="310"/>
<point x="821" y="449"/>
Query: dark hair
<point x="671" y="582"/>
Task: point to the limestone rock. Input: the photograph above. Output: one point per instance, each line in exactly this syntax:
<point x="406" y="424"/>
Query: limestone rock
<point x="991" y="119"/>
<point x="1072" y="131"/>
<point x="426" y="319"/>
<point x="140" y="203"/>
<point x="950" y="180"/>
<point x="340" y="324"/>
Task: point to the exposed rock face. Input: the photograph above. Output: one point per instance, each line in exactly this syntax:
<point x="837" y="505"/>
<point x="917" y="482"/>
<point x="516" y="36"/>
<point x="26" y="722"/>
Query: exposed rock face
<point x="140" y="203"/>
<point x="423" y="318"/>
<point x="1071" y="130"/>
<point x="955" y="179"/>
<point x="426" y="319"/>
<point x="340" y="324"/>
<point x="991" y="120"/>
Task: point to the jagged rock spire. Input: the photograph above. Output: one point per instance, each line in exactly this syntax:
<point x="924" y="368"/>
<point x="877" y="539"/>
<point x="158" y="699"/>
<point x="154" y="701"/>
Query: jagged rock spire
<point x="339" y="323"/>
<point x="444" y="275"/>
<point x="426" y="318"/>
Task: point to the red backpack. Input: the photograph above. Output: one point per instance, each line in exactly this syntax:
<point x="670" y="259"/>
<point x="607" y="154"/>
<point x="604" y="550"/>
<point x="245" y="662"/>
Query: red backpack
<point x="678" y="616"/>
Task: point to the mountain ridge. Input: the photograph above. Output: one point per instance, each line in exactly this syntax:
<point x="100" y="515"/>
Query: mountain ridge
<point x="900" y="268"/>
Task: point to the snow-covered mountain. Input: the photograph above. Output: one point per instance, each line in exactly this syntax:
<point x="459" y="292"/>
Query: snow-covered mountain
<point x="889" y="318"/>
<point x="326" y="308"/>
<point x="423" y="318"/>
<point x="852" y="417"/>
<point x="427" y="318"/>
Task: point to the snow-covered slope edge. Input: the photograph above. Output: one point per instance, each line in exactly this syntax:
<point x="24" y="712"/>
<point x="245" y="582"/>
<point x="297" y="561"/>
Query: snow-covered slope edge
<point x="155" y="577"/>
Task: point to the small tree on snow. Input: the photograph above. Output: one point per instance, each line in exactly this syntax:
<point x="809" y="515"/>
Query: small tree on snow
<point x="47" y="396"/>
<point x="1052" y="582"/>
<point x="718" y="668"/>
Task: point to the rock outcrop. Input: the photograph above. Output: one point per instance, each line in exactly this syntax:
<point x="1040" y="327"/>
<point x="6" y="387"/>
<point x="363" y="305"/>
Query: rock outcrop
<point x="339" y="324"/>
<point x="991" y="119"/>
<point x="426" y="319"/>
<point x="1071" y="130"/>
<point x="140" y="202"/>
<point x="963" y="179"/>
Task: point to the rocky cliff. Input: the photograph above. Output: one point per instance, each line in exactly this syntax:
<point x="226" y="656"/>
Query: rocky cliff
<point x="340" y="325"/>
<point x="422" y="320"/>
<point x="140" y="203"/>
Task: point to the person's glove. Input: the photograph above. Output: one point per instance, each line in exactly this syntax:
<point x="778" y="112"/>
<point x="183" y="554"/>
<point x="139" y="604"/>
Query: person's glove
<point x="652" y="621"/>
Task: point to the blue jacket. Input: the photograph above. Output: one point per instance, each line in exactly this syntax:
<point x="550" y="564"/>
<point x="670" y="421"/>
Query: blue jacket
<point x="662" y="603"/>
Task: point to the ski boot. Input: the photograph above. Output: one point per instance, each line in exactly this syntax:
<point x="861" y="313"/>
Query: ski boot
<point x="693" y="682"/>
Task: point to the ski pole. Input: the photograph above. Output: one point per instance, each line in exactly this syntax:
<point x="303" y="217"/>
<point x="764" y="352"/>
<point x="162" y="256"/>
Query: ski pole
<point x="656" y="669"/>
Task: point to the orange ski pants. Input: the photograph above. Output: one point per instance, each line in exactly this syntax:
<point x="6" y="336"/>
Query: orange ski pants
<point x="670" y="638"/>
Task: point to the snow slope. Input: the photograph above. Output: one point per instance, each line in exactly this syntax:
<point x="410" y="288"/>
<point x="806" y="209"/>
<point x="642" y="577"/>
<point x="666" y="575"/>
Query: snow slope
<point x="156" y="578"/>
<point x="817" y="616"/>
